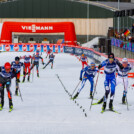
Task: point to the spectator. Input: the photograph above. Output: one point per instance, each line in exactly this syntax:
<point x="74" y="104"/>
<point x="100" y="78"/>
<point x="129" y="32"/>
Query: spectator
<point x="129" y="38"/>
<point x="133" y="29"/>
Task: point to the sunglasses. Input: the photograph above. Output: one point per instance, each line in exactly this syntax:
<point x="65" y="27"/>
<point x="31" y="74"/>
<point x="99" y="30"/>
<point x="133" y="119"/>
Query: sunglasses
<point x="111" y="59"/>
<point x="125" y="63"/>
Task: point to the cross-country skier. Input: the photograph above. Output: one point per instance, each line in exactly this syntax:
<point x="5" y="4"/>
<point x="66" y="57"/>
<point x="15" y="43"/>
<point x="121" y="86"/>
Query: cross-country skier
<point x="89" y="74"/>
<point x="49" y="52"/>
<point x="109" y="65"/>
<point x="84" y="60"/>
<point x="51" y="60"/>
<point x="122" y="77"/>
<point x="16" y="65"/>
<point x="36" y="59"/>
<point x="26" y="66"/>
<point x="5" y="80"/>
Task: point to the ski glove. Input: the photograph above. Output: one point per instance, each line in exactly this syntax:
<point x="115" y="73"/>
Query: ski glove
<point x="99" y="66"/>
<point x="81" y="79"/>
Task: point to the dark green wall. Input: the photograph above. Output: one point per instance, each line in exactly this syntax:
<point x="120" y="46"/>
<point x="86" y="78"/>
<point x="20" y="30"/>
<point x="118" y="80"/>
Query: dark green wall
<point x="125" y="22"/>
<point x="51" y="9"/>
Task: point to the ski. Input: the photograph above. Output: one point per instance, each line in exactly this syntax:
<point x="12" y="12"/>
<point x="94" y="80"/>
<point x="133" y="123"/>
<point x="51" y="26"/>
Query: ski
<point x="81" y="98"/>
<point x="96" y="103"/>
<point x="110" y="111"/>
<point x="102" y="111"/>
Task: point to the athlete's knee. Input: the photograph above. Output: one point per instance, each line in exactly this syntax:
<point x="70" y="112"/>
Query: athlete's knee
<point x="107" y="89"/>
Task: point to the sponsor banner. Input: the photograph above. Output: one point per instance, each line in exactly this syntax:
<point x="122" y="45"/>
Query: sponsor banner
<point x="45" y="48"/>
<point x="132" y="47"/>
<point x="78" y="51"/>
<point x="1" y="48"/>
<point x="118" y="43"/>
<point x="97" y="57"/>
<point x="113" y="42"/>
<point x="70" y="50"/>
<point x="55" y="48"/>
<point x="59" y="49"/>
<point x="130" y="75"/>
<point x="88" y="53"/>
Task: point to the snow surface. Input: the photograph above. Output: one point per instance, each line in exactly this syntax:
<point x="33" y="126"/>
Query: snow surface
<point x="47" y="108"/>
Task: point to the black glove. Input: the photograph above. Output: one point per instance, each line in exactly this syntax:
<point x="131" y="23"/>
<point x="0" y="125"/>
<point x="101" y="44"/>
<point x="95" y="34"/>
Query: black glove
<point x="18" y="80"/>
<point x="43" y="63"/>
<point x="99" y="66"/>
<point x="81" y="79"/>
<point x="121" y="67"/>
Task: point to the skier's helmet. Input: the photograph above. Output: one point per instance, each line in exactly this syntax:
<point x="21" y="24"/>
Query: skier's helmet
<point x="7" y="66"/>
<point x="17" y="58"/>
<point x="124" y="60"/>
<point x="110" y="56"/>
<point x="92" y="64"/>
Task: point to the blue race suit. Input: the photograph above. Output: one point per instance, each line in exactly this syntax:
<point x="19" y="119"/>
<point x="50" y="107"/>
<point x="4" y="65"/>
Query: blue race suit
<point x="110" y="78"/>
<point x="89" y="74"/>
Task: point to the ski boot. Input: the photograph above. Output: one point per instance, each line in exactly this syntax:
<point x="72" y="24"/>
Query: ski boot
<point x="16" y="92"/>
<point x="10" y="105"/>
<point x="28" y="79"/>
<point x="51" y="67"/>
<point x="123" y="99"/>
<point x="1" y="107"/>
<point x="75" y="96"/>
<point x="18" y="80"/>
<point x="111" y="105"/>
<point x="23" y="79"/>
<point x="91" y="95"/>
<point x="104" y="106"/>
<point x="37" y="74"/>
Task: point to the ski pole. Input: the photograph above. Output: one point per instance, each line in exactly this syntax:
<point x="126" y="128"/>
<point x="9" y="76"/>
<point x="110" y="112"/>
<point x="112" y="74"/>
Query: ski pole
<point x="32" y="74"/>
<point x="20" y="94"/>
<point x="46" y="65"/>
<point x="94" y="90"/>
<point x="60" y="81"/>
<point x="76" y="88"/>
<point x="125" y="90"/>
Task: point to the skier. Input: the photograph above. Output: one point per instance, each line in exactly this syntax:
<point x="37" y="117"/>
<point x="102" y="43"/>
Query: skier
<point x="109" y="65"/>
<point x="83" y="60"/>
<point x="51" y="60"/>
<point x="122" y="77"/>
<point x="16" y="65"/>
<point x="49" y="52"/>
<point x="26" y="66"/>
<point x="89" y="74"/>
<point x="5" y="80"/>
<point x="36" y="59"/>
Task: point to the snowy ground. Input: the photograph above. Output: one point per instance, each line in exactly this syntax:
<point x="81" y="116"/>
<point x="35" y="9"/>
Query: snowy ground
<point x="47" y="108"/>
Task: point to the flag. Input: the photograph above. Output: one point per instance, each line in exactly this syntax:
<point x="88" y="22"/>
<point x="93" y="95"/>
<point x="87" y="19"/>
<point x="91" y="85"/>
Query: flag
<point x="127" y="32"/>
